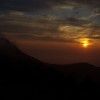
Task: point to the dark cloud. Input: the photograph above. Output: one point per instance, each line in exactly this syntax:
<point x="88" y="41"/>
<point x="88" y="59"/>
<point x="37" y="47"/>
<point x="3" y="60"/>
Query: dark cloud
<point x="22" y="5"/>
<point x="32" y="5"/>
<point x="76" y="21"/>
<point x="25" y="5"/>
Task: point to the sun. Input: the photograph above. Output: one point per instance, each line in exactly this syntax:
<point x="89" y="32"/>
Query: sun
<point x="85" y="45"/>
<point x="85" y="42"/>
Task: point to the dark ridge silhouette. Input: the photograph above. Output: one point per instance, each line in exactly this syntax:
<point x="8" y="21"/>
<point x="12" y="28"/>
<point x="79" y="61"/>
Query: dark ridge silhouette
<point x="9" y="49"/>
<point x="25" y="78"/>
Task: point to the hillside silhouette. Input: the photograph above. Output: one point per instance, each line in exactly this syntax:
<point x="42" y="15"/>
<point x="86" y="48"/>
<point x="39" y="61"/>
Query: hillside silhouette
<point x="25" y="78"/>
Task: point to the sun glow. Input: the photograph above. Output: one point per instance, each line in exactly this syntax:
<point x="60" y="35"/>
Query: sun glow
<point x="85" y="42"/>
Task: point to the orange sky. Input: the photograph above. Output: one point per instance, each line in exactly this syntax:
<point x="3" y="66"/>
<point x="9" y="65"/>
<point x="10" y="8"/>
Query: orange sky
<point x="61" y="52"/>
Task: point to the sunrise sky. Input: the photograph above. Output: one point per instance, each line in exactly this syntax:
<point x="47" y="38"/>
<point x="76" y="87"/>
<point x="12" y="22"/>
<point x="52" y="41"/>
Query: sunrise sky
<point x="54" y="31"/>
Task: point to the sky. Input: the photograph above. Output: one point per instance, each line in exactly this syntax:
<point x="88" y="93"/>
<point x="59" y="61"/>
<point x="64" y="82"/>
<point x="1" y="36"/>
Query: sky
<point x="54" y="31"/>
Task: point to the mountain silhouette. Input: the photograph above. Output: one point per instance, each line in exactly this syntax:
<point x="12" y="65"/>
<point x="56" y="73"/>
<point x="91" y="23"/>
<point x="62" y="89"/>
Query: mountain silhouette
<point x="24" y="77"/>
<point x="8" y="49"/>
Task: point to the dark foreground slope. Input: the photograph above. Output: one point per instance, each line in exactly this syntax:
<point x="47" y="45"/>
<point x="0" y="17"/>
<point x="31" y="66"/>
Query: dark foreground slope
<point x="25" y="78"/>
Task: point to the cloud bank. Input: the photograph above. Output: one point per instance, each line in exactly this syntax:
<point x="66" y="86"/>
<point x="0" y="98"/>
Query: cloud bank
<point x="50" y="20"/>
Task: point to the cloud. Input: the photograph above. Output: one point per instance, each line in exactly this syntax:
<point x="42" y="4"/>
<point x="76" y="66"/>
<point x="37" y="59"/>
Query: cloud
<point x="33" y="5"/>
<point x="76" y="21"/>
<point x="21" y="5"/>
<point x="45" y="28"/>
<point x="50" y="20"/>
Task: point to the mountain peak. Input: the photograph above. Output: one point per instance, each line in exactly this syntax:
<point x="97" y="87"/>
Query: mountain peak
<point x="7" y="48"/>
<point x="10" y="50"/>
<point x="5" y="44"/>
<point x="85" y="64"/>
<point x="3" y="39"/>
